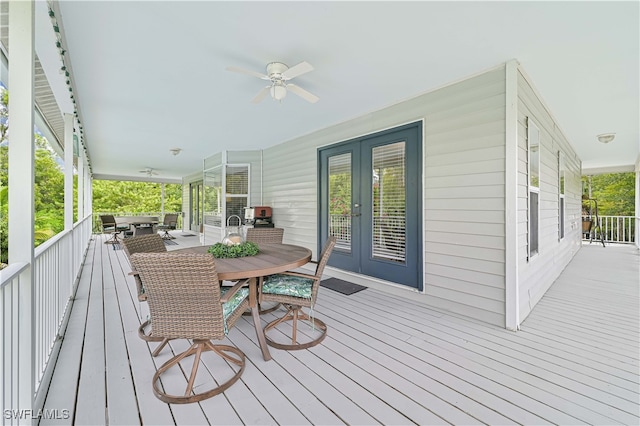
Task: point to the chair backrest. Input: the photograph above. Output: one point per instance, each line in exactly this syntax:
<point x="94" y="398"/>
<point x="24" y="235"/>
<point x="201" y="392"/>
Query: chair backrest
<point x="151" y="243"/>
<point x="322" y="262"/>
<point x="170" y="219"/>
<point x="108" y="219"/>
<point x="183" y="294"/>
<point x="324" y="256"/>
<point x="265" y="235"/>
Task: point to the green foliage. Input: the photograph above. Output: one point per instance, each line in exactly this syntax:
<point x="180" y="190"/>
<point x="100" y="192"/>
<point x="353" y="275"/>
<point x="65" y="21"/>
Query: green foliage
<point x="135" y="197"/>
<point x="222" y="251"/>
<point x="615" y="193"/>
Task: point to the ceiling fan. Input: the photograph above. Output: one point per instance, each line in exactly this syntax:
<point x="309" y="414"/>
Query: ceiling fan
<point x="278" y="74"/>
<point x="149" y="171"/>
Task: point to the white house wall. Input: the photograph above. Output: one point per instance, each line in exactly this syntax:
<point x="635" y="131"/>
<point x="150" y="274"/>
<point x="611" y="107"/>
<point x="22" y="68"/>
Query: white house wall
<point x="464" y="178"/>
<point x="538" y="273"/>
<point x="463" y="187"/>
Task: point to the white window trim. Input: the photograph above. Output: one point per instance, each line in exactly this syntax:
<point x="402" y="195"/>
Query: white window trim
<point x="562" y="213"/>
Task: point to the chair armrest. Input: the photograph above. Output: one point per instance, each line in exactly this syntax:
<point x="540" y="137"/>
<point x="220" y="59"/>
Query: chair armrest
<point x="233" y="290"/>
<point x="299" y="274"/>
<point x="135" y="273"/>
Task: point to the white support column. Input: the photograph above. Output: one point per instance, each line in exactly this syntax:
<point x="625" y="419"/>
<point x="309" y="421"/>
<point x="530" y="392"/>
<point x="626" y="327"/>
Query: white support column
<point x="512" y="291"/>
<point x="637" y="215"/>
<point x="21" y="182"/>
<point x="81" y="186"/>
<point x="68" y="172"/>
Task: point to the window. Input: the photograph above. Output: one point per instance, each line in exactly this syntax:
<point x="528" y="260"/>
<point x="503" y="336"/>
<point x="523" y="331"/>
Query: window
<point x="533" y="150"/>
<point x="561" y="183"/>
<point x="225" y="194"/>
<point x="237" y="190"/>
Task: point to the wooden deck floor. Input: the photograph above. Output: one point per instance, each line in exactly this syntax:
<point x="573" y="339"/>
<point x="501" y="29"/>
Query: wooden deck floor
<point x="386" y="360"/>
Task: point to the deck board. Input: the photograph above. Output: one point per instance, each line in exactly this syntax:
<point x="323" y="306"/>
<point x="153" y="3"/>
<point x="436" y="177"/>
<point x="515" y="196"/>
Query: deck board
<point x="386" y="359"/>
<point x="91" y="386"/>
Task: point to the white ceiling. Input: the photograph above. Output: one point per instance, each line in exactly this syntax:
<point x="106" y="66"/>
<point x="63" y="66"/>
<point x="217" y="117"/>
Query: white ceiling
<point x="150" y="75"/>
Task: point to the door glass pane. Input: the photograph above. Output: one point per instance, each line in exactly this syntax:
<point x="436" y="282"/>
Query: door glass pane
<point x="388" y="206"/>
<point x="340" y="200"/>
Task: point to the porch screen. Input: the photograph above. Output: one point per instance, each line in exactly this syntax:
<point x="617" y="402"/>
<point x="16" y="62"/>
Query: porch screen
<point x="389" y="207"/>
<point x="212" y="208"/>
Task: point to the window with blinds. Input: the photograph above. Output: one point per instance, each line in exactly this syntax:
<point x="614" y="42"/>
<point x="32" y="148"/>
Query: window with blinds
<point x="533" y="150"/>
<point x="561" y="180"/>
<point x="389" y="206"/>
<point x="237" y="189"/>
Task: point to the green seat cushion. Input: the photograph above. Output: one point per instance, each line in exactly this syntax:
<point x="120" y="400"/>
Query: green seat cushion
<point x="232" y="304"/>
<point x="288" y="285"/>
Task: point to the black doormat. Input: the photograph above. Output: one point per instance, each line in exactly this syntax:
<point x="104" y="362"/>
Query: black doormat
<point x="187" y="235"/>
<point x="341" y="286"/>
<point x="170" y="243"/>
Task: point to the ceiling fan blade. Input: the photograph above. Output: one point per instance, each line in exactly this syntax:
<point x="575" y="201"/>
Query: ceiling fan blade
<point x="243" y="71"/>
<point x="296" y="70"/>
<point x="261" y="95"/>
<point x="307" y="96"/>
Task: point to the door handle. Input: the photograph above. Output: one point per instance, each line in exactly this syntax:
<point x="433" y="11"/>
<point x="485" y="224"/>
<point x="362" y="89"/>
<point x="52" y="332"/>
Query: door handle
<point x="355" y="214"/>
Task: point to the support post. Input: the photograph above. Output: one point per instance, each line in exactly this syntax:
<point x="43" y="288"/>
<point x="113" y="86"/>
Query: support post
<point x="512" y="291"/>
<point x="68" y="172"/>
<point x="21" y="183"/>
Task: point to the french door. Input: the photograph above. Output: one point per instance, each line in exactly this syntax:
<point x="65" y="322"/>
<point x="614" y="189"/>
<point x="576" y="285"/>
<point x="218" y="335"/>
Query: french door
<point x="370" y="200"/>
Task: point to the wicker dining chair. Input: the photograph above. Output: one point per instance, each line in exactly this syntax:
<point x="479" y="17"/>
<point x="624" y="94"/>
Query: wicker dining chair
<point x="265" y="235"/>
<point x="186" y="302"/>
<point x="296" y="290"/>
<point x="168" y="224"/>
<point x="151" y="243"/>
<point x="110" y="226"/>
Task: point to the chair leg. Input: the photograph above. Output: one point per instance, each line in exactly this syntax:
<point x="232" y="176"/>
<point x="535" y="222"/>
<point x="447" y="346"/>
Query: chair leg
<point x="114" y="239"/>
<point x="295" y="314"/>
<point x="148" y="336"/>
<point x="196" y="349"/>
<point x="167" y="236"/>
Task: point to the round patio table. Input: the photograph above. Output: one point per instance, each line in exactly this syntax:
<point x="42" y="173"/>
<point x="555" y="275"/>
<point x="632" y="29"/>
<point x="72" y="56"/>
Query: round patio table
<point x="272" y="259"/>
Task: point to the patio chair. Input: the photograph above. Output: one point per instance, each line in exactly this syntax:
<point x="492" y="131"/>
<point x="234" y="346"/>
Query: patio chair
<point x="186" y="302"/>
<point x="265" y="235"/>
<point x="151" y="243"/>
<point x="168" y="224"/>
<point x="296" y="290"/>
<point x="110" y="226"/>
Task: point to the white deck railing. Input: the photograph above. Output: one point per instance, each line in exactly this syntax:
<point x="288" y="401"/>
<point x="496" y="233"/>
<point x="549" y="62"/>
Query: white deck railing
<point x="55" y="269"/>
<point x="616" y="229"/>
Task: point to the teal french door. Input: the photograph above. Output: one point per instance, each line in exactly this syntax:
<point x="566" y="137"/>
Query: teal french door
<point x="370" y="200"/>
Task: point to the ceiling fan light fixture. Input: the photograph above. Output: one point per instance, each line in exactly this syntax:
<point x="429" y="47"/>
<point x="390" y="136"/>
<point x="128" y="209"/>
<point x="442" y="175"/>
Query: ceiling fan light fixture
<point x="606" y="137"/>
<point x="175" y="151"/>
<point x="278" y="91"/>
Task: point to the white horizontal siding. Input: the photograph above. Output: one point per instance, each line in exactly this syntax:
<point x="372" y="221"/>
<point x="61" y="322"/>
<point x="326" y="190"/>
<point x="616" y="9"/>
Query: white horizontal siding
<point x="537" y="274"/>
<point x="464" y="200"/>
<point x="464" y="178"/>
